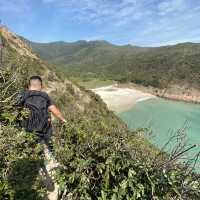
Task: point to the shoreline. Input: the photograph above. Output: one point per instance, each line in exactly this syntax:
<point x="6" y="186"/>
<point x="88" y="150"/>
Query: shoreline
<point x="121" y="99"/>
<point x="179" y="99"/>
<point x="173" y="93"/>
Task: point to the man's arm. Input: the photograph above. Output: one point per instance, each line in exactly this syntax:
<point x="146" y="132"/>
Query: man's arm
<point x="56" y="112"/>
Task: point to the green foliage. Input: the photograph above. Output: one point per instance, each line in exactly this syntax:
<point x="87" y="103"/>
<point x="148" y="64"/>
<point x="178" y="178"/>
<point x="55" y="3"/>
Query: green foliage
<point x="19" y="152"/>
<point x="95" y="166"/>
<point x="20" y="155"/>
<point x="20" y="164"/>
<point x="9" y="87"/>
<point x="157" y="67"/>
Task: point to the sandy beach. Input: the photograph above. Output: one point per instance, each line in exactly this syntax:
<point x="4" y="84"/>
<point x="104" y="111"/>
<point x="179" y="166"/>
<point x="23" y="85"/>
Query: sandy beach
<point x="120" y="99"/>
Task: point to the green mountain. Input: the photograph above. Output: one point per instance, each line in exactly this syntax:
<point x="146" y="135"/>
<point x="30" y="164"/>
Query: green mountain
<point x="98" y="157"/>
<point x="157" y="67"/>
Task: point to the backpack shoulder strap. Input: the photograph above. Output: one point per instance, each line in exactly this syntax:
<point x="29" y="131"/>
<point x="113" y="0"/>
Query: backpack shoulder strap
<point x="31" y="94"/>
<point x="20" y="98"/>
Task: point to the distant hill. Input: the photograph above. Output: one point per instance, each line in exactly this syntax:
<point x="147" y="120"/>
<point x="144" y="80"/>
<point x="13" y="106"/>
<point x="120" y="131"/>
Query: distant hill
<point x="156" y="66"/>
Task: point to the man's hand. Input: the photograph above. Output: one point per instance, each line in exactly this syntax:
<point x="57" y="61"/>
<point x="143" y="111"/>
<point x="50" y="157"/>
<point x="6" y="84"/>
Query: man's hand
<point x="63" y="121"/>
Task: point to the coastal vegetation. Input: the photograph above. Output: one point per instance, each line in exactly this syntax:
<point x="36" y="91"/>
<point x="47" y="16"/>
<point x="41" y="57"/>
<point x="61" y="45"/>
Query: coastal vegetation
<point x="99" y="158"/>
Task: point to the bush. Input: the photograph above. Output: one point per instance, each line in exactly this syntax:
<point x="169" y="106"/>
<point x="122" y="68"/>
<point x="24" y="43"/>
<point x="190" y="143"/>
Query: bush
<point x="20" y="164"/>
<point x="20" y="158"/>
<point x="100" y="167"/>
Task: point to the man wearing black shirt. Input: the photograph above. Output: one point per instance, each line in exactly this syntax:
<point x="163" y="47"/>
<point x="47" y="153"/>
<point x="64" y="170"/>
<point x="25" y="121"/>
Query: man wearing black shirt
<point x="39" y="105"/>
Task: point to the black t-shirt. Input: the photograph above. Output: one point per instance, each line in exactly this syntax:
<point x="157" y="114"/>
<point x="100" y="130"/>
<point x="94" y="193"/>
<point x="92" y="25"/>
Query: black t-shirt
<point x="34" y="96"/>
<point x="38" y="103"/>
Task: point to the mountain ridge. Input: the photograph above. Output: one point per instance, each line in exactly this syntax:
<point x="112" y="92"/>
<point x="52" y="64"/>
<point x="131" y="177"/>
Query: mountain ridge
<point x="107" y="42"/>
<point x="151" y="66"/>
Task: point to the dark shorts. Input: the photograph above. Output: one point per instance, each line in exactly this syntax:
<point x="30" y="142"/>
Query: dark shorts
<point x="45" y="138"/>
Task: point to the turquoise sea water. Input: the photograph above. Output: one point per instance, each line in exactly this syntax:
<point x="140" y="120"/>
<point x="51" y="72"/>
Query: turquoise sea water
<point x="164" y="118"/>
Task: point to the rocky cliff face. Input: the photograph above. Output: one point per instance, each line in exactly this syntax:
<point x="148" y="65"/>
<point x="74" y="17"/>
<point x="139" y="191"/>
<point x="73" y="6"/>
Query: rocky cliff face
<point x="184" y="92"/>
<point x="16" y="43"/>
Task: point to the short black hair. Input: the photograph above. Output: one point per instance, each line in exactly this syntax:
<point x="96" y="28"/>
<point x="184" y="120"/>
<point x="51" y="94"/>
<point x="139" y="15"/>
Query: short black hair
<point x="35" y="78"/>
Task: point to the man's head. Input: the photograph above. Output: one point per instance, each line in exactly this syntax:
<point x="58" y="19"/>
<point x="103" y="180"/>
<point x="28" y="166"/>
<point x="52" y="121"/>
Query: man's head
<point x="35" y="83"/>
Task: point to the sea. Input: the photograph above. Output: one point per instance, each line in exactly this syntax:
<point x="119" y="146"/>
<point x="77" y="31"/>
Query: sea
<point x="167" y="124"/>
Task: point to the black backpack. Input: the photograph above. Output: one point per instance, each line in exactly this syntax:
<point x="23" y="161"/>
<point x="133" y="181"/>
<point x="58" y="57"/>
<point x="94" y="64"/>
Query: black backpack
<point x="37" y="103"/>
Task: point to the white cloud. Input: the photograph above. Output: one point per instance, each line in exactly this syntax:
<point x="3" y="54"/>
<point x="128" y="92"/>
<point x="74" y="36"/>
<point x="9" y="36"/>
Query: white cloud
<point x="171" y="30"/>
<point x="101" y="11"/>
<point x="168" y="6"/>
<point x="173" y="42"/>
<point x="143" y="22"/>
<point x="93" y="38"/>
<point x="146" y="21"/>
<point x="14" y="6"/>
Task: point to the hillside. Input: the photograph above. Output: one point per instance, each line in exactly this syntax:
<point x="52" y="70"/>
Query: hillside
<point x="159" y="67"/>
<point x="98" y="157"/>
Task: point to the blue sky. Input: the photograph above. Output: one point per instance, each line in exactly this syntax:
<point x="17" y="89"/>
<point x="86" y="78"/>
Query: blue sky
<point x="136" y="22"/>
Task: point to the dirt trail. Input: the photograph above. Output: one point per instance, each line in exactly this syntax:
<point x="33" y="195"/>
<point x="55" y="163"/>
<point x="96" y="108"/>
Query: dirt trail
<point x="53" y="85"/>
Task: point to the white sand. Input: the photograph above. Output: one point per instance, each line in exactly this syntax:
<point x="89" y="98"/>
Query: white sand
<point x="121" y="99"/>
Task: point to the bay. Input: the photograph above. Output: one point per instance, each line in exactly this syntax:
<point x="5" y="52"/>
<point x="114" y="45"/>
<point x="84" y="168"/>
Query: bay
<point x="164" y="118"/>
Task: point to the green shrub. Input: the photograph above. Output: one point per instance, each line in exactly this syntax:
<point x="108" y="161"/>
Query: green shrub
<point x="20" y="155"/>
<point x="103" y="166"/>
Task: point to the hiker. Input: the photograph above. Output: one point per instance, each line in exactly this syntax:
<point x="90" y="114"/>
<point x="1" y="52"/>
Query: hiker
<point x="38" y="121"/>
<point x="39" y="105"/>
